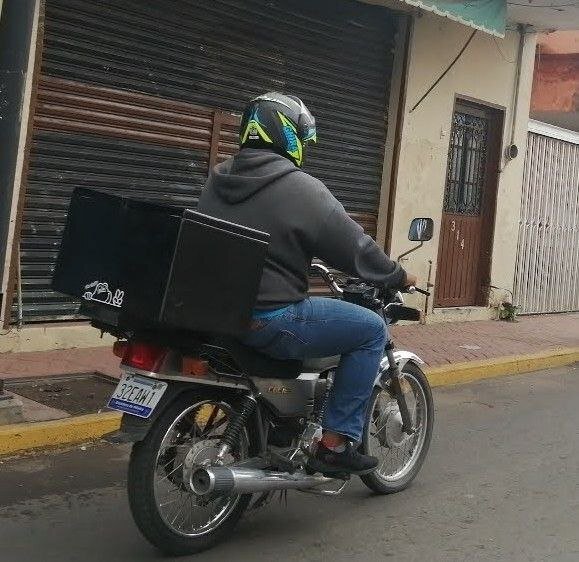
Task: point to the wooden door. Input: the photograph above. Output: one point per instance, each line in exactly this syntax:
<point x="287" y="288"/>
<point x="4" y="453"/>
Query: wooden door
<point x="468" y="208"/>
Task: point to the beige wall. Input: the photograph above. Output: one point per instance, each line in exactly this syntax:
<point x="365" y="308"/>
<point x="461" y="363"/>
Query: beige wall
<point x="485" y="74"/>
<point x="46" y="337"/>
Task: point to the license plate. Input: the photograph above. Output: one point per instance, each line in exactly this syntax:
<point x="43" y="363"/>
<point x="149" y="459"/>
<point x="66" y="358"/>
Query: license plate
<point x="137" y="395"/>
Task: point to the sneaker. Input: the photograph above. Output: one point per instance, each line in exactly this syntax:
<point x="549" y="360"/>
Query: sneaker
<point x="349" y="461"/>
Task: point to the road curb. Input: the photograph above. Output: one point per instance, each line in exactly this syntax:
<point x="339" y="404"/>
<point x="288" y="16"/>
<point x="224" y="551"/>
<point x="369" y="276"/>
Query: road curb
<point x="456" y="373"/>
<point x="18" y="438"/>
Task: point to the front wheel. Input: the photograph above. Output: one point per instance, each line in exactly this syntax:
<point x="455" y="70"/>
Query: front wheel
<point x="400" y="455"/>
<point x="185" y="436"/>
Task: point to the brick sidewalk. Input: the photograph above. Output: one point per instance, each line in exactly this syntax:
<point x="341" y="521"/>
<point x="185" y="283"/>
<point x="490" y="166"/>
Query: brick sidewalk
<point x="456" y="342"/>
<point x="437" y="344"/>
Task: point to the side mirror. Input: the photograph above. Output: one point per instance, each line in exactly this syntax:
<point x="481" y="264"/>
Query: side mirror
<point x="421" y="230"/>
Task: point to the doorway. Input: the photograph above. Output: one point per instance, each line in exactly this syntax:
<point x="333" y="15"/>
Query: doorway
<point x="468" y="215"/>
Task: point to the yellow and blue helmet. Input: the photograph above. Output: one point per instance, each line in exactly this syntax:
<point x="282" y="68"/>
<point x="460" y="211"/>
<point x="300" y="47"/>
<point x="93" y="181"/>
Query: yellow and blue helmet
<point x="278" y="122"/>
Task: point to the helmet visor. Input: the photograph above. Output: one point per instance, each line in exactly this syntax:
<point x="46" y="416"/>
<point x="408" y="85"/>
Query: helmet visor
<point x="309" y="133"/>
<point x="307" y="125"/>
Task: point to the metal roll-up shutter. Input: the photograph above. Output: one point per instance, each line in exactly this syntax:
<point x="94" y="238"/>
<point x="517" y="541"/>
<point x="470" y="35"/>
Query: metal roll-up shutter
<point x="140" y="97"/>
<point x="547" y="266"/>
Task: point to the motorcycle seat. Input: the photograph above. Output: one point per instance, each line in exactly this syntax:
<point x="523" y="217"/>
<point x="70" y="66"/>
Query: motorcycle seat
<point x="320" y="364"/>
<point x="256" y="364"/>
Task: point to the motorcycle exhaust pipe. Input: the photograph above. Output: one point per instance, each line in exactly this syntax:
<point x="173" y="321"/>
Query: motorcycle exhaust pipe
<point x="225" y="480"/>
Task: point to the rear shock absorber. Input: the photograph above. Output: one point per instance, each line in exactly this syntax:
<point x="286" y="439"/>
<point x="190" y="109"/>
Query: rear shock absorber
<point x="234" y="428"/>
<point x="326" y="397"/>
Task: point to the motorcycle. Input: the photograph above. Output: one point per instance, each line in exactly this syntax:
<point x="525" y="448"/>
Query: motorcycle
<point x="218" y="428"/>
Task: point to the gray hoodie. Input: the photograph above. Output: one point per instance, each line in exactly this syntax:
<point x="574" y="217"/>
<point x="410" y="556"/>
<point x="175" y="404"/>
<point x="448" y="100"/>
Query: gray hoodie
<point x="264" y="190"/>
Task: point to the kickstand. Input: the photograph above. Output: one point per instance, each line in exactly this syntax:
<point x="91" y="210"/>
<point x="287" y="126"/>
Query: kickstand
<point x="262" y="501"/>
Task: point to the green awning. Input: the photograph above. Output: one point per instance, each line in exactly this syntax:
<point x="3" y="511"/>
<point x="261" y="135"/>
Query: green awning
<point x="487" y="15"/>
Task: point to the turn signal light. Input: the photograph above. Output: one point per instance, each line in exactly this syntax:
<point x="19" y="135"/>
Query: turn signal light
<point x="120" y="348"/>
<point x="194" y="367"/>
<point x="143" y="356"/>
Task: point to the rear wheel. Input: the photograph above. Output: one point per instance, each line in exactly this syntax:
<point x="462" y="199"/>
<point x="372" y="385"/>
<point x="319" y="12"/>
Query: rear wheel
<point x="400" y="455"/>
<point x="185" y="436"/>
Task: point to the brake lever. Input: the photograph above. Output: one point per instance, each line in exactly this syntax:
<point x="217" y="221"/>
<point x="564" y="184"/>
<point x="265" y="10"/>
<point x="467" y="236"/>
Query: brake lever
<point x="328" y="278"/>
<point x="412" y="289"/>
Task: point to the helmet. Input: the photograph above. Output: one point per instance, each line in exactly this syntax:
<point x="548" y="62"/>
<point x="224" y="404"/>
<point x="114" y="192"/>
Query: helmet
<point x="278" y="122"/>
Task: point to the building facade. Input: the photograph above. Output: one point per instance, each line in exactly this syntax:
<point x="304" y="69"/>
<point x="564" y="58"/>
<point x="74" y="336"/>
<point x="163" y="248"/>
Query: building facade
<point x="555" y="97"/>
<point x="547" y="268"/>
<point x="132" y="99"/>
<point x="415" y="114"/>
<point x="452" y="163"/>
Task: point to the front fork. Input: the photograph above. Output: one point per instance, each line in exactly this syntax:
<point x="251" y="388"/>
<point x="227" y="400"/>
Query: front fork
<point x="393" y="373"/>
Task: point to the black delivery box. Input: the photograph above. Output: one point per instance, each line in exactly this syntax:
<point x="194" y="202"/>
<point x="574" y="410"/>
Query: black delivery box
<point x="141" y="265"/>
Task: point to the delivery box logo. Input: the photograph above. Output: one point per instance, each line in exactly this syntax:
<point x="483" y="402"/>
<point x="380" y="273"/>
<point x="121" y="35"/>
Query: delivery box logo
<point x="98" y="291"/>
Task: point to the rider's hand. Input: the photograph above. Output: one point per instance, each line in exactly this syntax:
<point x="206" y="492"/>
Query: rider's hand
<point x="410" y="280"/>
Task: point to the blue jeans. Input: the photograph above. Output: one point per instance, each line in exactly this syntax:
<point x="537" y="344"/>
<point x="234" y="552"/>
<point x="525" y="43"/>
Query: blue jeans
<point x="320" y="327"/>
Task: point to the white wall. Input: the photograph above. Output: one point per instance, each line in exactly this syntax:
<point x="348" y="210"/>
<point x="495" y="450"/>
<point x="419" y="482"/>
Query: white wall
<point x="486" y="72"/>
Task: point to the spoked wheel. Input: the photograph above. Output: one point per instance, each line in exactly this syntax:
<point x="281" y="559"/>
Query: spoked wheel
<point x="400" y="455"/>
<point x="169" y="515"/>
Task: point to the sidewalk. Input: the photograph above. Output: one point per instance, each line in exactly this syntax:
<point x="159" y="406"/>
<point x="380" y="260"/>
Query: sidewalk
<point x="457" y="342"/>
<point x="436" y="344"/>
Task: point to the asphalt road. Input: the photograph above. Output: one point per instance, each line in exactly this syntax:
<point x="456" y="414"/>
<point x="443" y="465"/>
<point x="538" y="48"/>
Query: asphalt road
<point x="501" y="483"/>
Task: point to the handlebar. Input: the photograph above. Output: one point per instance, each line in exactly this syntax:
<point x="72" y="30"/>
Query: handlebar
<point x="337" y="290"/>
<point x="388" y="301"/>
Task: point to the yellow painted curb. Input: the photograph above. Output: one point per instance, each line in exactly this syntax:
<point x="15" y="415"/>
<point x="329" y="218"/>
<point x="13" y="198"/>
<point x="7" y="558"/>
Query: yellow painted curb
<point x="456" y="373"/>
<point x="77" y="429"/>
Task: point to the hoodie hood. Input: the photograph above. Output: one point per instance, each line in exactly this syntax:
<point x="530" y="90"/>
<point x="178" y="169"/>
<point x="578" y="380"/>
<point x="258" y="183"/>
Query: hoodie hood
<point x="248" y="172"/>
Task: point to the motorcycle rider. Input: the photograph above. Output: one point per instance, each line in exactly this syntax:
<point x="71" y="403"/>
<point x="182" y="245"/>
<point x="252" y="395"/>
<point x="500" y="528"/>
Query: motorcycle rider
<point x="264" y="187"/>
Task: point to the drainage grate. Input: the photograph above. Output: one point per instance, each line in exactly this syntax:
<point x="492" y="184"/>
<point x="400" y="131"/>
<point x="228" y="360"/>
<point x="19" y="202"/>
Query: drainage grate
<point x="80" y="393"/>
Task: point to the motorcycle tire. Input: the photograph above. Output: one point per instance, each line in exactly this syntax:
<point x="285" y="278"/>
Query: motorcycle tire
<point x="141" y="487"/>
<point x="376" y="481"/>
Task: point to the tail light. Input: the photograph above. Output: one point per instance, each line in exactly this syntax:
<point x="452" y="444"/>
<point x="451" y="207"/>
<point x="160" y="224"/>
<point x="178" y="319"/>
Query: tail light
<point x="142" y="356"/>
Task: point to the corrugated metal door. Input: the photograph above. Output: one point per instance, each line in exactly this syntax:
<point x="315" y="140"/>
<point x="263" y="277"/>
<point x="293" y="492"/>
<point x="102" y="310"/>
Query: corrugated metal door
<point x="137" y="97"/>
<point x="547" y="269"/>
<point x="468" y="209"/>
